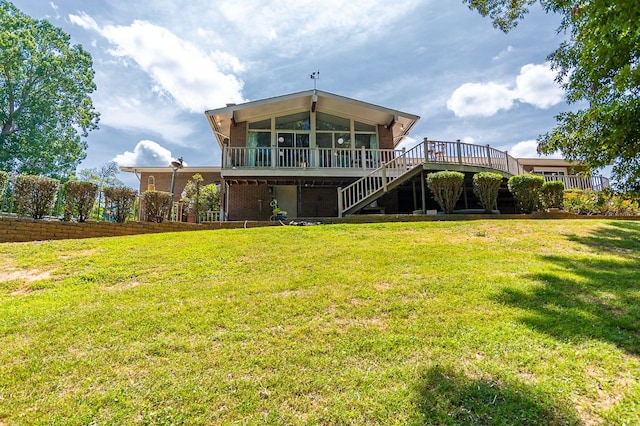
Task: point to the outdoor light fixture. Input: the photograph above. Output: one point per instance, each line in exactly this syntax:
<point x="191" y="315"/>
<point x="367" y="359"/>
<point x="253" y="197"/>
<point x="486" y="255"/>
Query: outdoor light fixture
<point x="340" y="141"/>
<point x="175" y="165"/>
<point x="280" y="139"/>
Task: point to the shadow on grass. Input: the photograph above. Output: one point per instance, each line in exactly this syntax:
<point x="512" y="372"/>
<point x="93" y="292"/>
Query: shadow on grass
<point x="588" y="297"/>
<point x="448" y="397"/>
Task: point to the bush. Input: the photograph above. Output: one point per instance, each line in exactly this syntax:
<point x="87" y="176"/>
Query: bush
<point x="603" y="202"/>
<point x="122" y="201"/>
<point x="526" y="190"/>
<point x="80" y="198"/>
<point x="552" y="194"/>
<point x="446" y="187"/>
<point x="36" y="195"/>
<point x="157" y="205"/>
<point x="486" y="186"/>
<point x="4" y="182"/>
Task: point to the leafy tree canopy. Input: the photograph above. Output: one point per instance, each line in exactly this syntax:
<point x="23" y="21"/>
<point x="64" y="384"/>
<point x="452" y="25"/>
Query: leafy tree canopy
<point x="45" y="108"/>
<point x="599" y="67"/>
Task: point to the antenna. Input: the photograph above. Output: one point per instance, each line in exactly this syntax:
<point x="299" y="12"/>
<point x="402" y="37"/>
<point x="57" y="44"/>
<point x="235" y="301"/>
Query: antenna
<point x="315" y="76"/>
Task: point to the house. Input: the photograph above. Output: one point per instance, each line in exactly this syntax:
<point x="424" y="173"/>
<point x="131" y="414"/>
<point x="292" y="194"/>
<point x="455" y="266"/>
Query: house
<point x="318" y="154"/>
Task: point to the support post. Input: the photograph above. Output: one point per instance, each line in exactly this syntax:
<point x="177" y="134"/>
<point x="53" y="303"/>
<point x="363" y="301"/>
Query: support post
<point x="489" y="155"/>
<point x="340" y="205"/>
<point x="459" y="149"/>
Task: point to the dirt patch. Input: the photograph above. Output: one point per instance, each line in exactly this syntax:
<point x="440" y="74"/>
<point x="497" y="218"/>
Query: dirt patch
<point x="28" y="275"/>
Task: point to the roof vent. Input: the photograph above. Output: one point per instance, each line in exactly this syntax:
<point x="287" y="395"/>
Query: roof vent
<point x="232" y="104"/>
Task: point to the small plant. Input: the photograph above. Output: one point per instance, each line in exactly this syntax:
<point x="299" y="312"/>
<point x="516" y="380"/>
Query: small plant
<point x="526" y="189"/>
<point x="36" y="195"/>
<point x="552" y="194"/>
<point x="486" y="186"/>
<point x="446" y="187"/>
<point x="157" y="205"/>
<point x="80" y="198"/>
<point x="122" y="201"/>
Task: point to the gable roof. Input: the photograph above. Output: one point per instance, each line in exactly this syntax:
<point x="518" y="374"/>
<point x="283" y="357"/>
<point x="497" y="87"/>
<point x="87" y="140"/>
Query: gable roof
<point x="221" y="119"/>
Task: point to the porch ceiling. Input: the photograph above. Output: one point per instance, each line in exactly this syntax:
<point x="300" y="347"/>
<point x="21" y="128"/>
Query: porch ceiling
<point x="222" y="119"/>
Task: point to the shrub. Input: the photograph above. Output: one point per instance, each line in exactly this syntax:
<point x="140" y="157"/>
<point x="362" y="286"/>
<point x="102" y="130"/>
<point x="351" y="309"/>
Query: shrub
<point x="446" y="187"/>
<point x="486" y="186"/>
<point x="36" y="195"/>
<point x="80" y="197"/>
<point x="157" y="205"/>
<point x="603" y="202"/>
<point x="551" y="194"/>
<point x="4" y="182"/>
<point x="122" y="201"/>
<point x="526" y="190"/>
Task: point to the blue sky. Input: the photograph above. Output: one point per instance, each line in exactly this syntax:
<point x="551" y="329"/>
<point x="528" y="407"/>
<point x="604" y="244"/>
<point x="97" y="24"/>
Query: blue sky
<point x="160" y="64"/>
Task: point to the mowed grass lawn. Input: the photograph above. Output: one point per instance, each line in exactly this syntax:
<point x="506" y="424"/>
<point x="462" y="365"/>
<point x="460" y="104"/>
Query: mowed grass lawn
<point x="486" y="322"/>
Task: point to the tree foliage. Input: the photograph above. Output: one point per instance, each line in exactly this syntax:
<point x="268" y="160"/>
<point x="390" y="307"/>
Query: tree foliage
<point x="599" y="66"/>
<point x="45" y="107"/>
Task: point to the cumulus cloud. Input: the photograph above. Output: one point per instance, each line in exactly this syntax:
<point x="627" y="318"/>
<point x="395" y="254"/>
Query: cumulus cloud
<point x="145" y="154"/>
<point x="476" y="99"/>
<point x="534" y="85"/>
<point x="196" y="80"/>
<point x="528" y="149"/>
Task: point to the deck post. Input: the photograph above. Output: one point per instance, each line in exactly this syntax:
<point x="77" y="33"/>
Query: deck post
<point x="506" y="161"/>
<point x="425" y="147"/>
<point x="363" y="158"/>
<point x="384" y="177"/>
<point x="340" y="205"/>
<point x="424" y="193"/>
<point x="404" y="158"/>
<point x="489" y="155"/>
<point x="459" y="148"/>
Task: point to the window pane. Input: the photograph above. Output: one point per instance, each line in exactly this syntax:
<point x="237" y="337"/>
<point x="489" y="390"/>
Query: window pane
<point x="343" y="140"/>
<point x="299" y="121"/>
<point x="262" y="125"/>
<point x="324" y="140"/>
<point x="331" y="122"/>
<point x="302" y="140"/>
<point x="362" y="127"/>
<point x="262" y="139"/>
<point x="363" y="141"/>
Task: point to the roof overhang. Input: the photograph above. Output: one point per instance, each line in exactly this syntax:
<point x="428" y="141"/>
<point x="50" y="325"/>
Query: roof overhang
<point x="222" y="119"/>
<point x="168" y="169"/>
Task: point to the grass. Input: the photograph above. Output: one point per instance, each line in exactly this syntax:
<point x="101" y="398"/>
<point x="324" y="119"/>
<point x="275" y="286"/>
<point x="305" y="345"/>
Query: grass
<point x="488" y="322"/>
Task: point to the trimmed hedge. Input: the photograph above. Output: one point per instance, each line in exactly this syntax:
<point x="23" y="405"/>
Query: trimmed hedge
<point x="157" y="205"/>
<point x="80" y="198"/>
<point x="486" y="186"/>
<point x="4" y="182"/>
<point x="551" y="194"/>
<point x="446" y="187"/>
<point x="526" y="190"/>
<point x="122" y="200"/>
<point x="36" y="195"/>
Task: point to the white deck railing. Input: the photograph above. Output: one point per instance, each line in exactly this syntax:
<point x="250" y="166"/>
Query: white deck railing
<point x="594" y="183"/>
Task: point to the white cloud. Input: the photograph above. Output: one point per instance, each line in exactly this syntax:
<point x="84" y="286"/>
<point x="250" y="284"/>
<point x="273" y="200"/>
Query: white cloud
<point x="535" y="85"/>
<point x="503" y="53"/>
<point x="476" y="99"/>
<point x="145" y="154"/>
<point x="528" y="149"/>
<point x="131" y="114"/>
<point x="195" y="80"/>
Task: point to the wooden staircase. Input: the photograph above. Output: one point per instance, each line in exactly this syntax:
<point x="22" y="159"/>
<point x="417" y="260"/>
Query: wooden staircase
<point x="411" y="162"/>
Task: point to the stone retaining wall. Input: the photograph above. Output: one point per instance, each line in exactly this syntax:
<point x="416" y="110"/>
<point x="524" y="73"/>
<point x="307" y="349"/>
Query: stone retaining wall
<point x="21" y="230"/>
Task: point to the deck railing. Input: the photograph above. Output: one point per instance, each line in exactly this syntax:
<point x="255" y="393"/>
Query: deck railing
<point x="594" y="183"/>
<point x="303" y="158"/>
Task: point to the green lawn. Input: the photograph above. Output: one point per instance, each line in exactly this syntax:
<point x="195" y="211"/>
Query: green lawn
<point x="487" y="322"/>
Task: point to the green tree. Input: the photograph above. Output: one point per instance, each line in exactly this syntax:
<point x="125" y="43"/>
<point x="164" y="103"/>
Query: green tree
<point x="103" y="176"/>
<point x="45" y="107"/>
<point x="599" y="66"/>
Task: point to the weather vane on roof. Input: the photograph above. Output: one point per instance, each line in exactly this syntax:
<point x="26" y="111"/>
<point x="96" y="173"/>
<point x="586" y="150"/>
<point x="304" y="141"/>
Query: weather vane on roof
<point x="315" y="76"/>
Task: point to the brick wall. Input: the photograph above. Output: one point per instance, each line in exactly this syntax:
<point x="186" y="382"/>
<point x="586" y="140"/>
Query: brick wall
<point x="319" y="202"/>
<point x="238" y="135"/>
<point x="249" y="202"/>
<point x="386" y="138"/>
